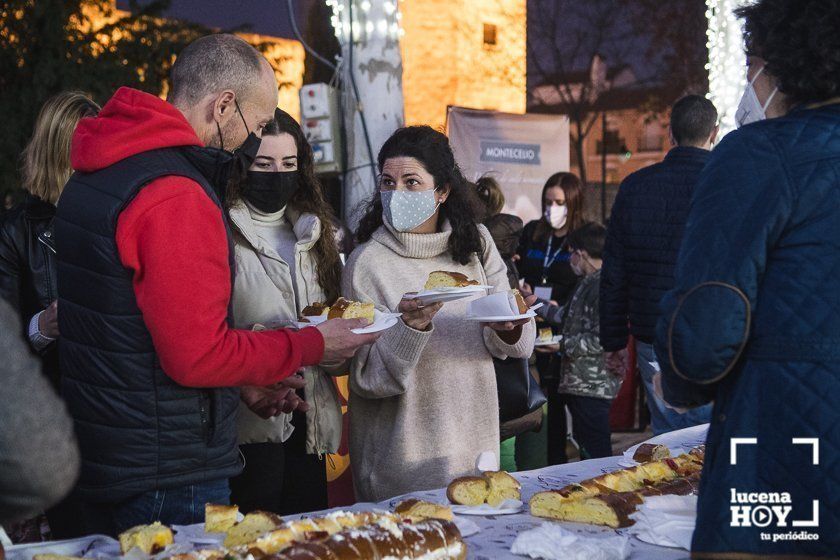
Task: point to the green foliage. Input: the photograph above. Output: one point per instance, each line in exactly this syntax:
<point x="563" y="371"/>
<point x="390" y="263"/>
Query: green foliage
<point x="48" y="46"/>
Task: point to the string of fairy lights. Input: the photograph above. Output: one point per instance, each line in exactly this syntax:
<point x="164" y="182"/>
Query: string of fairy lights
<point x="727" y="61"/>
<point x="366" y="24"/>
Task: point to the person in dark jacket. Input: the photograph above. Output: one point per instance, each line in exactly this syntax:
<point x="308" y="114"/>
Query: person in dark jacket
<point x="544" y="262"/>
<point x="27" y="250"/>
<point x="753" y="321"/>
<point x="27" y="247"/>
<point x="150" y="361"/>
<point x="542" y="256"/>
<point x="645" y="232"/>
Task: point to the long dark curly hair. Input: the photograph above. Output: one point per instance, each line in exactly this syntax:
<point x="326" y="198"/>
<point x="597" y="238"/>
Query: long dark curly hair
<point x="462" y="208"/>
<point x="309" y="199"/>
<point x="799" y="39"/>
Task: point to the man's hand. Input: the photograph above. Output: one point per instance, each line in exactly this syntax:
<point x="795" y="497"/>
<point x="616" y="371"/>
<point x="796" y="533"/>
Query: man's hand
<point x="418" y="317"/>
<point x="617" y="363"/>
<point x="279" y="398"/>
<point x="340" y="343"/>
<point x="657" y="390"/>
<point x="48" y="321"/>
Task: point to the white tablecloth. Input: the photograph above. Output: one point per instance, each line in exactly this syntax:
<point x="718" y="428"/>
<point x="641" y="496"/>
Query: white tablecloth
<point x="497" y="533"/>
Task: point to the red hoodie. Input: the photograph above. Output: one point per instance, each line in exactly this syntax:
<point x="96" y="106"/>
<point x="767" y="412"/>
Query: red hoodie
<point x="172" y="236"/>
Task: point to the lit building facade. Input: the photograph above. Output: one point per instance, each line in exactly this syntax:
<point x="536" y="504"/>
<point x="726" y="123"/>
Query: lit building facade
<point x="467" y="53"/>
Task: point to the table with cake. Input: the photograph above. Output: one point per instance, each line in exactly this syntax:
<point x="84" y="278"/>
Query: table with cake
<point x="594" y="499"/>
<point x="560" y="511"/>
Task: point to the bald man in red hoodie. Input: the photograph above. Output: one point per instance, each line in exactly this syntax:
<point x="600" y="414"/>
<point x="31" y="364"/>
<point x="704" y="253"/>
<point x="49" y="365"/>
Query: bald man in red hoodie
<point x="149" y="359"/>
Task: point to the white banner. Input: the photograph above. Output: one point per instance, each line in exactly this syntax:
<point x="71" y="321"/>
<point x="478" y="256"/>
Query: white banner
<point x="519" y="151"/>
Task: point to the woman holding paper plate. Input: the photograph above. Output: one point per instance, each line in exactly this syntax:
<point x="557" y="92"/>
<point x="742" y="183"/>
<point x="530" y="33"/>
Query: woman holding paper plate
<point x="286" y="259"/>
<point x="423" y="396"/>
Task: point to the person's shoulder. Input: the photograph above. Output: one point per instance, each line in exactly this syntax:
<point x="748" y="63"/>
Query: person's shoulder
<point x="528" y="229"/>
<point x="810" y="132"/>
<point x="169" y="190"/>
<point x="13" y="217"/>
<point x="365" y="256"/>
<point x="643" y="177"/>
<point x="484" y="232"/>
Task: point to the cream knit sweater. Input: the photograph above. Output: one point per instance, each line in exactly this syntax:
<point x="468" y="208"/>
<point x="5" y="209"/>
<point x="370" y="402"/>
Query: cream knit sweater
<point x="423" y="405"/>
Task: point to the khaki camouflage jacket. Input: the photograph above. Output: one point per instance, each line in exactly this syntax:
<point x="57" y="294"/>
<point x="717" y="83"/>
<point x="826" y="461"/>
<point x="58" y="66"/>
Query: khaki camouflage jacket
<point x="582" y="367"/>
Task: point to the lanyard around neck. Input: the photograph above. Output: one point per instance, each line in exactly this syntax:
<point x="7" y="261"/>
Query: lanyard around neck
<point x="549" y="259"/>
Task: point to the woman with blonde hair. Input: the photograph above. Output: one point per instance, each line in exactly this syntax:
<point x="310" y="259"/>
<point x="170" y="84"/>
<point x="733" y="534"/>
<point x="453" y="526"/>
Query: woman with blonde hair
<point x="27" y="248"/>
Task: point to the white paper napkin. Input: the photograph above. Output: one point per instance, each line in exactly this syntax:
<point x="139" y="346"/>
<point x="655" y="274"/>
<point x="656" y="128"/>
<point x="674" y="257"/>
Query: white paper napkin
<point x="500" y="304"/>
<point x="467" y="527"/>
<point x="666" y="520"/>
<point x="487" y="461"/>
<point x="552" y="542"/>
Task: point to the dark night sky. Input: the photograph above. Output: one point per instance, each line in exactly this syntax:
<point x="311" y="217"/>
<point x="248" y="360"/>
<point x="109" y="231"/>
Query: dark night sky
<point x="269" y="17"/>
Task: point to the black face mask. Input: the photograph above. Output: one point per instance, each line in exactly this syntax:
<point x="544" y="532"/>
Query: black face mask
<point x="269" y="192"/>
<point x="220" y="166"/>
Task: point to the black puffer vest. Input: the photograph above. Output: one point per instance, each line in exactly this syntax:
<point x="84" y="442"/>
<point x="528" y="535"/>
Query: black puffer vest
<point x="138" y="429"/>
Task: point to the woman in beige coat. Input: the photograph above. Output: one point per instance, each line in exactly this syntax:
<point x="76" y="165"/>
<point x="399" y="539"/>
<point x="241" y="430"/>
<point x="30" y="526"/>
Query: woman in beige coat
<point x="286" y="259"/>
<point x="423" y="401"/>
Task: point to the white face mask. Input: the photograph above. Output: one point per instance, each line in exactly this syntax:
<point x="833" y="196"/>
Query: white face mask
<point x="750" y="109"/>
<point x="405" y="210"/>
<point x="556" y="216"/>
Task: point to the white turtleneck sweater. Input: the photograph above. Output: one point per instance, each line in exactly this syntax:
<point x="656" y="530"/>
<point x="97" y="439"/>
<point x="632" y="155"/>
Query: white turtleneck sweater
<point x="276" y="231"/>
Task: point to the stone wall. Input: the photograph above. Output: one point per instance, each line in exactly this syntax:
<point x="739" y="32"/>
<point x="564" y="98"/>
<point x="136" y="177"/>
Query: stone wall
<point x="446" y="60"/>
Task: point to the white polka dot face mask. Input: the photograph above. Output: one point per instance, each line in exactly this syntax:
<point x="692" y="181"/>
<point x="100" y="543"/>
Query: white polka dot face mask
<point x="405" y="210"/>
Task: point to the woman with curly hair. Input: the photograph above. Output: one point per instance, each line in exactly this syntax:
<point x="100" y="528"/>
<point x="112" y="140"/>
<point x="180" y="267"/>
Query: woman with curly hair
<point x="753" y="322"/>
<point x="423" y="396"/>
<point x="286" y="259"/>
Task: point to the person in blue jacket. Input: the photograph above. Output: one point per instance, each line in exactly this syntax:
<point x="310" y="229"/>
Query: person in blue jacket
<point x="753" y="322"/>
<point x="645" y="231"/>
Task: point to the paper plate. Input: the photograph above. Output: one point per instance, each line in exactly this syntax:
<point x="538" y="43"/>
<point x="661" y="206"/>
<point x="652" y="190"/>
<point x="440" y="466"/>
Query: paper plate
<point x="381" y="322"/>
<point x="315" y="320"/>
<point x="459" y="289"/>
<point x="508" y="507"/>
<point x="501" y="318"/>
<point x="442" y="295"/>
<point x="680" y="441"/>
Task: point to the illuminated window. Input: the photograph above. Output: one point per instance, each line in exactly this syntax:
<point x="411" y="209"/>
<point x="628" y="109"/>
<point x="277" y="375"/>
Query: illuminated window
<point x="489" y="34"/>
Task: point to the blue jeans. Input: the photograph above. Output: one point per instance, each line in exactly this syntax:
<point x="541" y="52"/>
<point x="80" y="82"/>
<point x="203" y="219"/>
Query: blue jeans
<point x="662" y="418"/>
<point x="183" y="505"/>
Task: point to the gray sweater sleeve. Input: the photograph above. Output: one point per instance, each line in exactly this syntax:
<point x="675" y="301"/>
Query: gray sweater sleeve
<point x="39" y="460"/>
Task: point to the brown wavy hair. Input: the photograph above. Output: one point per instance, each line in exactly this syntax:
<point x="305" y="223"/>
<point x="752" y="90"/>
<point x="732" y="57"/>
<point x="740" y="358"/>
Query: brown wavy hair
<point x="490" y="193"/>
<point x="309" y="199"/>
<point x="573" y="189"/>
<point x="46" y="158"/>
